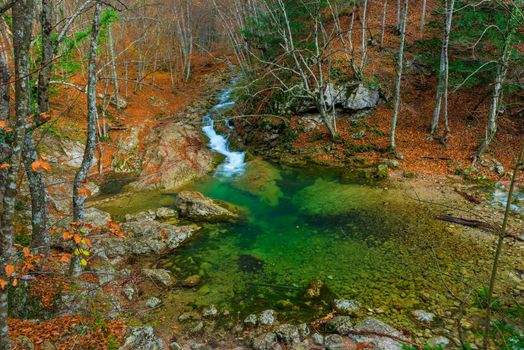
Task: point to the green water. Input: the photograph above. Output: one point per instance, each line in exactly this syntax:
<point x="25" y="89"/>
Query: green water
<point x="364" y="241"/>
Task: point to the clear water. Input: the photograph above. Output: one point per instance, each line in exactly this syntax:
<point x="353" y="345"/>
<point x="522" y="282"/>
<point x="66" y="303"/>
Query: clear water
<point x="364" y="242"/>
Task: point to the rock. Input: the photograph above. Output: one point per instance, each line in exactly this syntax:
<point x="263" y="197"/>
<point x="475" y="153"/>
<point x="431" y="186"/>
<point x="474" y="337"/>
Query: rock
<point x="96" y="217"/>
<point x="196" y="206"/>
<point x="358" y="135"/>
<point x="266" y="341"/>
<point x="251" y="320"/>
<point x="300" y="346"/>
<point x="200" y="346"/>
<point x="374" y="325"/>
<point x="119" y="102"/>
<point x="288" y="334"/>
<point x="390" y="163"/>
<point x="128" y="292"/>
<point x="176" y="154"/>
<point x="149" y="215"/>
<point x="127" y="158"/>
<point x="175" y="346"/>
<point x="318" y="339"/>
<point x="334" y="342"/>
<point x="210" y="311"/>
<point x="267" y="317"/>
<point x="314" y="289"/>
<point x="160" y="276"/>
<point x="145" y="238"/>
<point x="440" y="340"/>
<point x="362" y="98"/>
<point x="339" y="324"/>
<point x="423" y="316"/>
<point x="346" y="307"/>
<point x="104" y="270"/>
<point x="165" y="213"/>
<point x="153" y="302"/>
<point x="303" y="329"/>
<point x="382" y="172"/>
<point x="261" y="180"/>
<point x="141" y="338"/>
<point x="191" y="281"/>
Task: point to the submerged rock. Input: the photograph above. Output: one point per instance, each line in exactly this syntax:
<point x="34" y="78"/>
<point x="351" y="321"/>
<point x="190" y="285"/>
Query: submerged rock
<point x="196" y="206"/>
<point x="374" y="325"/>
<point x="141" y="338"/>
<point x="260" y="179"/>
<point x="314" y="289"/>
<point x="191" y="281"/>
<point x="160" y="276"/>
<point x="346" y="307"/>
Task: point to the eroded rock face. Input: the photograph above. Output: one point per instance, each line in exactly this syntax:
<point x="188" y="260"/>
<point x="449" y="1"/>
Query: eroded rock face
<point x="175" y="154"/>
<point x="141" y="338"/>
<point x="196" y="206"/>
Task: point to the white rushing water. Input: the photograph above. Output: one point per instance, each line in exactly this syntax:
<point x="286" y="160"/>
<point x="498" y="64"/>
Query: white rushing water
<point x="234" y="163"/>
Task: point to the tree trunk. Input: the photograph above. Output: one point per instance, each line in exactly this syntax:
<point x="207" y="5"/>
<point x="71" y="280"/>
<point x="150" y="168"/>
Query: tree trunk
<point x="5" y="77"/>
<point x="116" y="92"/>
<point x="44" y="75"/>
<point x="443" y="81"/>
<point x="22" y="26"/>
<point x="92" y="116"/>
<point x="502" y="70"/>
<point x="423" y="18"/>
<point x="400" y="66"/>
<point x="384" y="14"/>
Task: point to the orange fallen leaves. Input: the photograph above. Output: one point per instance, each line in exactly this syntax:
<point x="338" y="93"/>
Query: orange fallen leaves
<point x="9" y="270"/>
<point x="84" y="192"/>
<point x="4" y="166"/>
<point x="40" y="165"/>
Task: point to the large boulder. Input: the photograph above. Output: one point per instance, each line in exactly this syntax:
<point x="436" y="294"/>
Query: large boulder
<point x="371" y="324"/>
<point x="196" y="206"/>
<point x="362" y="98"/>
<point x="141" y="338"/>
<point x="175" y="153"/>
<point x="146" y="238"/>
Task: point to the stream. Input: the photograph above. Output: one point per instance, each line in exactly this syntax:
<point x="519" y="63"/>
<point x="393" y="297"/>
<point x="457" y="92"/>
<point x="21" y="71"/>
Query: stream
<point x="369" y="242"/>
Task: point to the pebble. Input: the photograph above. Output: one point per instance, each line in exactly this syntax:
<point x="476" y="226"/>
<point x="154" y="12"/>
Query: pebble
<point x="251" y="320"/>
<point x="210" y="311"/>
<point x="266" y="318"/>
<point x="318" y="339"/>
<point x="153" y="302"/>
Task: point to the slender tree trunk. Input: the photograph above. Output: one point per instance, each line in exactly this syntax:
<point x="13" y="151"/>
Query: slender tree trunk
<point x="443" y="80"/>
<point x="502" y="70"/>
<point x="92" y="116"/>
<point x="423" y="18"/>
<point x="5" y="77"/>
<point x="364" y="52"/>
<point x="22" y="25"/>
<point x="383" y="30"/>
<point x="397" y="25"/>
<point x="500" y="244"/>
<point x="400" y="67"/>
<point x="116" y="92"/>
<point x="44" y="75"/>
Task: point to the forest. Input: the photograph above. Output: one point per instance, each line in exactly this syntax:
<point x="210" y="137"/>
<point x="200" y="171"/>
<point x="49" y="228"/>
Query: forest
<point x="261" y="174"/>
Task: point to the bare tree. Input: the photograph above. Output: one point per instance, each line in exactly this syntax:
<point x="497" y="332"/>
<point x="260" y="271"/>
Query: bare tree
<point x="443" y="79"/>
<point x="184" y="30"/>
<point x="400" y="66"/>
<point x="383" y="26"/>
<point x="92" y="115"/>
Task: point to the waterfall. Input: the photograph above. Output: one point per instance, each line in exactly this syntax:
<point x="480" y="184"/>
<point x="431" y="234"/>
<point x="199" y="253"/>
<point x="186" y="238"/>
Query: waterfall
<point x="234" y="163"/>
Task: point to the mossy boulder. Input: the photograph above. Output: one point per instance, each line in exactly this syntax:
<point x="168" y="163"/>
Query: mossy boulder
<point x="195" y="206"/>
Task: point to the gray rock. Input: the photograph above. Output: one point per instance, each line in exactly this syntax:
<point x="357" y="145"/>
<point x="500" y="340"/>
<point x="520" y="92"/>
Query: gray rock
<point x="439" y="340"/>
<point x="200" y="346"/>
<point x="165" y="213"/>
<point x="391" y="163"/>
<point x="358" y="135"/>
<point x="362" y="98"/>
<point x="334" y="342"/>
<point x="141" y="338"/>
<point x="128" y="291"/>
<point x="105" y="272"/>
<point x="196" y="206"/>
<point x="160" y="276"/>
<point x="142" y="216"/>
<point x="210" y="311"/>
<point x="339" y="324"/>
<point x="346" y="307"/>
<point x="266" y="341"/>
<point x="145" y="238"/>
<point x="96" y="217"/>
<point x="303" y="329"/>
<point x="288" y="334"/>
<point x="300" y="346"/>
<point x="175" y="346"/>
<point x="251" y="320"/>
<point x="318" y="339"/>
<point x="267" y="317"/>
<point x="423" y="316"/>
<point x="153" y="302"/>
<point x="382" y="343"/>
